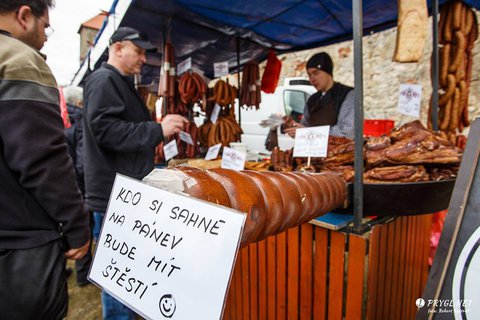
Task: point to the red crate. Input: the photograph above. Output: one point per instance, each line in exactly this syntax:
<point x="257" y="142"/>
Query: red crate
<point x="377" y="127"/>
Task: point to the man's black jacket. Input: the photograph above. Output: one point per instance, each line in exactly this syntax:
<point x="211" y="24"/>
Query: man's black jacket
<point x="119" y="135"/>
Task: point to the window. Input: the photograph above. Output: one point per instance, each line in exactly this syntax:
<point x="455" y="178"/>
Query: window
<point x="294" y="103"/>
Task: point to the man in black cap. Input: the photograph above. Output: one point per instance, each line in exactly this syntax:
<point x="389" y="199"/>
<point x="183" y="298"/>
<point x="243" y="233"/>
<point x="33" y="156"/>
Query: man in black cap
<point x="332" y="105"/>
<point x="119" y="135"/>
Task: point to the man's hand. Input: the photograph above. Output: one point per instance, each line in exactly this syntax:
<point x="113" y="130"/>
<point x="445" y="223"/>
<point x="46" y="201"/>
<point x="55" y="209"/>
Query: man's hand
<point x="173" y="123"/>
<point x="78" y="253"/>
<point x="293" y="129"/>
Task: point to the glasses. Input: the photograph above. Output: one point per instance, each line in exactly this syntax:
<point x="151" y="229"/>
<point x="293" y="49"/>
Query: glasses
<point x="48" y="28"/>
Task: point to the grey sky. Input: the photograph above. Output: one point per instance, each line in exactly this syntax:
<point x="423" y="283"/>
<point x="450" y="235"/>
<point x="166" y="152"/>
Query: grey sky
<point x="63" y="46"/>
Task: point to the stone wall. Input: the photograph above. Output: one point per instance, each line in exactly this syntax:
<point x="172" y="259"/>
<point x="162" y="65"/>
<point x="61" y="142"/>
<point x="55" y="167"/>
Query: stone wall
<point x="382" y="77"/>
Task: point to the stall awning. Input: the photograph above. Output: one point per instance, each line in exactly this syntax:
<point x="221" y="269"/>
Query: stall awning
<point x="208" y="30"/>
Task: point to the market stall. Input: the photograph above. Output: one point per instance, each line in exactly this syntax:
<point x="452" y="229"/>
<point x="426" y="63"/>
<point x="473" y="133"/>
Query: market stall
<point x="298" y="273"/>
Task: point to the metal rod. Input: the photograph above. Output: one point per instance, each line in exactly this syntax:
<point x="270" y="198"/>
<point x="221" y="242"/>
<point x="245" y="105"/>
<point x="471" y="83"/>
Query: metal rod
<point x="357" y="14"/>
<point x="238" y="81"/>
<point x="435" y="65"/>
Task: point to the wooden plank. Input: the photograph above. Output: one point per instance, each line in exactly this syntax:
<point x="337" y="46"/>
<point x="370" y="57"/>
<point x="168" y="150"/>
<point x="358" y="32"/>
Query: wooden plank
<point x="306" y="270"/>
<point x="355" y="276"/>
<point x="394" y="295"/>
<point x="426" y="246"/>
<point x="282" y="276"/>
<point x="409" y="266"/>
<point x="320" y="274"/>
<point x="253" y="250"/>
<point x="373" y="265"/>
<point x="390" y="253"/>
<point x="336" y="274"/>
<point x="238" y="289"/>
<point x="293" y="256"/>
<point x="245" y="283"/>
<point x="227" y="313"/>
<point x="262" y="279"/>
<point x="381" y="271"/>
<point x="271" y="278"/>
<point x="400" y="274"/>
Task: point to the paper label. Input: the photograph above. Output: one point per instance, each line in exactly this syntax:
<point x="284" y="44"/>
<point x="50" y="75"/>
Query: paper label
<point x="215" y="113"/>
<point x="311" y="142"/>
<point x="170" y="150"/>
<point x="186" y="137"/>
<point x="213" y="151"/>
<point x="220" y="69"/>
<point x="409" y="99"/>
<point x="184" y="66"/>
<point x="233" y="159"/>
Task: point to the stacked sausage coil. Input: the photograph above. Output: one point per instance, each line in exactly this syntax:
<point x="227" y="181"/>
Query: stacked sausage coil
<point x="273" y="201"/>
<point x="458" y="30"/>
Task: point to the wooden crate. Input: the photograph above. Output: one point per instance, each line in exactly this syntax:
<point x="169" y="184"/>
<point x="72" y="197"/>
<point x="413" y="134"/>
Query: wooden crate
<point x="309" y="272"/>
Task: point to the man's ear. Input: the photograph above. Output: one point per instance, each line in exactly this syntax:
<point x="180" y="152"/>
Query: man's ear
<point x="24" y="13"/>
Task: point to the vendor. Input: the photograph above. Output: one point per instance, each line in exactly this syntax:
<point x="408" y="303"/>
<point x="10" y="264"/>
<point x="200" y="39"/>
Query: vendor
<point x="332" y="105"/>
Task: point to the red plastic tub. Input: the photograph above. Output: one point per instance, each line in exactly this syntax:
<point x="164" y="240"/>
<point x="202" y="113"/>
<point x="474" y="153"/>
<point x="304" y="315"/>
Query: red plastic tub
<point x="377" y="127"/>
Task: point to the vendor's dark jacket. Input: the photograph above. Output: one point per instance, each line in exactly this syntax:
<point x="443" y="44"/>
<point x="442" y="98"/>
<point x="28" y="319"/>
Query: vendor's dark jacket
<point x="74" y="135"/>
<point x="39" y="197"/>
<point x="119" y="135"/>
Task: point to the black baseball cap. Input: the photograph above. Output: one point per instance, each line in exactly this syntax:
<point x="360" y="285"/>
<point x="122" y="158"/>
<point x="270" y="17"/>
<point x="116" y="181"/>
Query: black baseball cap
<point x="140" y="39"/>
<point x="321" y="61"/>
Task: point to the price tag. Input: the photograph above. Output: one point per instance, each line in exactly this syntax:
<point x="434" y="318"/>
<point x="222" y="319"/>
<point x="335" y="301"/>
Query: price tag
<point x="215" y="113"/>
<point x="220" y="69"/>
<point x="213" y="151"/>
<point x="233" y="159"/>
<point x="409" y="99"/>
<point x="170" y="150"/>
<point x="184" y="66"/>
<point x="186" y="137"/>
<point x="311" y="142"/>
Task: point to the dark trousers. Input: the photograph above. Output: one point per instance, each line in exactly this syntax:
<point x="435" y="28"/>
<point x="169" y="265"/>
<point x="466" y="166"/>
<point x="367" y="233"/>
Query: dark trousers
<point x="33" y="283"/>
<point x="82" y="266"/>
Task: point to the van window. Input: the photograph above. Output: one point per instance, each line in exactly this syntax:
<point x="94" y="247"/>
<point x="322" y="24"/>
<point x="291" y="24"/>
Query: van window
<point x="294" y="103"/>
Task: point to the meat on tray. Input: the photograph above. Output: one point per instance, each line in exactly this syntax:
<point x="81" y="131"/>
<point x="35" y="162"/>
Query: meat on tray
<point x="403" y="173"/>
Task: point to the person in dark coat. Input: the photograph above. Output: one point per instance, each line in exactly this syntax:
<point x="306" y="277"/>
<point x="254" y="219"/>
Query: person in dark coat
<point x="43" y="219"/>
<point x="74" y="134"/>
<point x="119" y="134"/>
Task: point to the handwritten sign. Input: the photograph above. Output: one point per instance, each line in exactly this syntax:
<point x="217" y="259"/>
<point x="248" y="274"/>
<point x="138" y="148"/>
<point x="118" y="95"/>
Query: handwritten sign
<point x="166" y="255"/>
<point x="215" y="113"/>
<point x="170" y="150"/>
<point x="213" y="151"/>
<point x="311" y="142"/>
<point x="184" y="66"/>
<point x="186" y="137"/>
<point x="220" y="69"/>
<point x="409" y="99"/>
<point x="233" y="159"/>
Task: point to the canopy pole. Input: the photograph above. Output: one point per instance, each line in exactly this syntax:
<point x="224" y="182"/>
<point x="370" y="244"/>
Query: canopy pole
<point x="435" y="65"/>
<point x="238" y="81"/>
<point x="357" y="12"/>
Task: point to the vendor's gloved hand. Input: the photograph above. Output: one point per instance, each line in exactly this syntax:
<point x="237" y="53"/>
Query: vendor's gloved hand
<point x="173" y="123"/>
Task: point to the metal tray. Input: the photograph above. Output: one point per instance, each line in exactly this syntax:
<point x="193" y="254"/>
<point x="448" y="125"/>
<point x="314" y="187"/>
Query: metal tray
<point x="402" y="199"/>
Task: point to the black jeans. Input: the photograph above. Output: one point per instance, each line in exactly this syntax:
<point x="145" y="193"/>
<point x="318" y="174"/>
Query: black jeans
<point x="33" y="283"/>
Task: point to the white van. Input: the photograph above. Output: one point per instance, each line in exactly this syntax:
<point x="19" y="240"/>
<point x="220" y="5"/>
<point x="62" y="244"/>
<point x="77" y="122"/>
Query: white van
<point x="289" y="99"/>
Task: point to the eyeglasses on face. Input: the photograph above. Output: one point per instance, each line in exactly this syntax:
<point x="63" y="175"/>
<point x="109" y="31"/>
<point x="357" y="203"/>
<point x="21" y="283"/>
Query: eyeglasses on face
<point x="48" y="28"/>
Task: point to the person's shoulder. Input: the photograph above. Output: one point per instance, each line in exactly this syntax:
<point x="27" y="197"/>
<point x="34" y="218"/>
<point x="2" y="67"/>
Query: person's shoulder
<point x="21" y="62"/>
<point x="100" y="76"/>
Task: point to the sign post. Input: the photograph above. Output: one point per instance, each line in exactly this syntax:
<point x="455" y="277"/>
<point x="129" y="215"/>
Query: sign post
<point x="166" y="255"/>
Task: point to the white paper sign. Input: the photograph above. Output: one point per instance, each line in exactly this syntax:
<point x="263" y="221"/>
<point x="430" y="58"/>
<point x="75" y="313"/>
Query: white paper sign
<point x="186" y="137"/>
<point x="220" y="69"/>
<point x="233" y="159"/>
<point x="213" y="151"/>
<point x="409" y="99"/>
<point x="215" y="113"/>
<point x="166" y="255"/>
<point x="184" y="66"/>
<point x="170" y="150"/>
<point x="311" y="142"/>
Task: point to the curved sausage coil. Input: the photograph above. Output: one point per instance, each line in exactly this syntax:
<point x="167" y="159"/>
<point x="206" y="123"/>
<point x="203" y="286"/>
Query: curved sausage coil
<point x="273" y="201"/>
